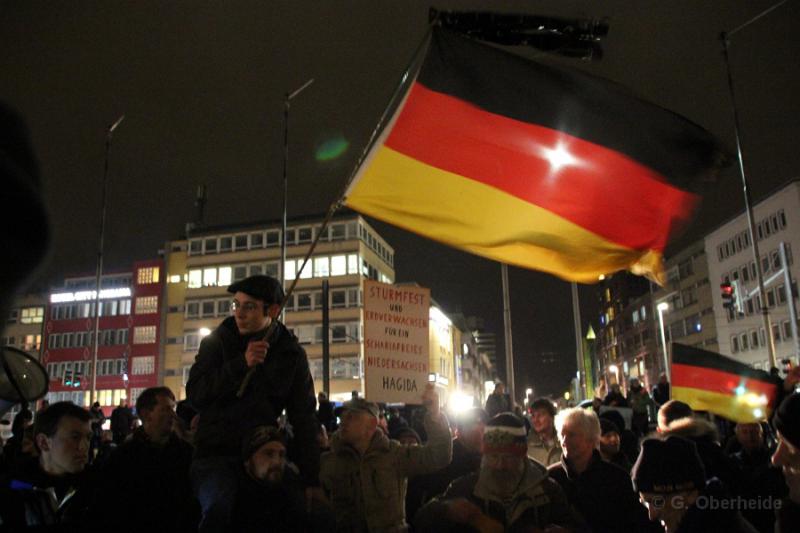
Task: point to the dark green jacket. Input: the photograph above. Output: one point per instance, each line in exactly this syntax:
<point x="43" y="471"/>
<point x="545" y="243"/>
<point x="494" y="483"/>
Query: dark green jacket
<point x="368" y="492"/>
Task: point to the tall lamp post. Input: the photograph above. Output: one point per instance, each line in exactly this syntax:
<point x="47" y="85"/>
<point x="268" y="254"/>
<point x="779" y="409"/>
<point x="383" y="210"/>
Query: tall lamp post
<point x="99" y="269"/>
<point x="661" y="307"/>
<point x="725" y="37"/>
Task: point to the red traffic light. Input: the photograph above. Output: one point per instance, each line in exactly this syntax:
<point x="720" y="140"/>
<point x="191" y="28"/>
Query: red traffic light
<point x="727" y="289"/>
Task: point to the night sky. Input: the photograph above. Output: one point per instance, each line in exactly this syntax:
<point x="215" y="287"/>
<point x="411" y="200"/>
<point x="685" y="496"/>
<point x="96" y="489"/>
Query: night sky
<point x="202" y="86"/>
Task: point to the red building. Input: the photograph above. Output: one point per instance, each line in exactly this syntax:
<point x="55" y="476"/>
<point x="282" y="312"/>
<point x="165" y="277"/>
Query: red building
<point x="129" y="336"/>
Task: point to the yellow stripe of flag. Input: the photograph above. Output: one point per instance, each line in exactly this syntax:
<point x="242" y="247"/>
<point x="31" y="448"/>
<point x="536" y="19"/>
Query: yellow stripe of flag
<point x="480" y="219"/>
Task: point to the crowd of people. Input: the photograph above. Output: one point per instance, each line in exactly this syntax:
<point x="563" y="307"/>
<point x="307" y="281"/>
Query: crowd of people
<point x="253" y="449"/>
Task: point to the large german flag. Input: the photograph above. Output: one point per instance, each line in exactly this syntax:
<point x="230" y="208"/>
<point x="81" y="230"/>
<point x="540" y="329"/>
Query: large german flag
<point x="711" y="382"/>
<point x="532" y="165"/>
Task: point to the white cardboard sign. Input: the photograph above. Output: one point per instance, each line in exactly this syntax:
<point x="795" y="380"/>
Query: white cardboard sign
<point x="396" y="342"/>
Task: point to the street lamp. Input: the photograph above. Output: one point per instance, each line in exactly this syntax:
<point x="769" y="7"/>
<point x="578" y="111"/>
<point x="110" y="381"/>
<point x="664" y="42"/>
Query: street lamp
<point x="661" y="307"/>
<point x="615" y="372"/>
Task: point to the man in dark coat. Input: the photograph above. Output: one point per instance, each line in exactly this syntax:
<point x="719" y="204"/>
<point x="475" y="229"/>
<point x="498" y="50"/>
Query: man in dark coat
<point x="280" y="380"/>
<point x="661" y="391"/>
<point x="498" y="401"/>
<point x="121" y="422"/>
<point x="150" y="470"/>
<point x="325" y="414"/>
<point x="759" y="476"/>
<point x="600" y="492"/>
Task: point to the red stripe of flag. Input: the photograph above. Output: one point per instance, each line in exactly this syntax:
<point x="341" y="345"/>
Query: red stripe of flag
<point x="602" y="193"/>
<point x="702" y="378"/>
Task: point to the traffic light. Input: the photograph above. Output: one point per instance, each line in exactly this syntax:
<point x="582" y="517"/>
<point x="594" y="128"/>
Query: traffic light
<point x="68" y="378"/>
<point x="728" y="294"/>
<point x="76" y="381"/>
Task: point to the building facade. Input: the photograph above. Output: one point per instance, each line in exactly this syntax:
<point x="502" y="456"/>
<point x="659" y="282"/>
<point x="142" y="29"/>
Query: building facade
<point x="729" y="250"/>
<point x="25" y="323"/>
<point x="201" y="267"/>
<point x="625" y="345"/>
<point x="686" y="301"/>
<point x="129" y="336"/>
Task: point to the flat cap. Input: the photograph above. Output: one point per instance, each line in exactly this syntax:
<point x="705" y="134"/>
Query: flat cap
<point x="264" y="288"/>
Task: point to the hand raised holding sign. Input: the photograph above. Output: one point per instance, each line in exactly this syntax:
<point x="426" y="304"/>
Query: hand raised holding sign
<point x="430" y="399"/>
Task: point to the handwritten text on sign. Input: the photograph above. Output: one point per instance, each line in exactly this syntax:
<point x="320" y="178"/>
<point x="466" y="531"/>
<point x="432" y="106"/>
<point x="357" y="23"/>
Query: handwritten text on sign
<point x="395" y="342"/>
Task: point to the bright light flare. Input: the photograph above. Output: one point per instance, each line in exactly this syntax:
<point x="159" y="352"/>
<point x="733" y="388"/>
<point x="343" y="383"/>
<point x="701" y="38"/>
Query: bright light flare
<point x="558" y="157"/>
<point x="460" y="402"/>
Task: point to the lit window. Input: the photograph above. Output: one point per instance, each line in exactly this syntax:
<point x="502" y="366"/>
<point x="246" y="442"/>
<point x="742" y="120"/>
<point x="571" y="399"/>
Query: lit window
<point x="146" y="305"/>
<point x="338" y="265"/>
<point x="143" y="365"/>
<point x="352" y="264"/>
<point x="195" y="279"/>
<point x="144" y="335"/>
<point x="209" y="277"/>
<point x="147" y="275"/>
<point x="306" y="272"/>
<point x="32" y="315"/>
<point x="321" y="267"/>
<point x="175" y="278"/>
<point x="289" y="269"/>
<point x="224" y="276"/>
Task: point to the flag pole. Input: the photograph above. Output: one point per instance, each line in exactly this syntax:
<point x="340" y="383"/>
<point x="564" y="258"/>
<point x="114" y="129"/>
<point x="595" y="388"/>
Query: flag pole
<point x="404" y="80"/>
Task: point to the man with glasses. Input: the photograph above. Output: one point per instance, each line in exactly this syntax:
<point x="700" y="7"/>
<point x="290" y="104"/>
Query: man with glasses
<point x="228" y="411"/>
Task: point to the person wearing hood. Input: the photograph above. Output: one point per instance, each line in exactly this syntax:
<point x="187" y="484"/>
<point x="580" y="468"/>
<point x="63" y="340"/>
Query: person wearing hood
<point x="365" y="474"/>
<point x="230" y="408"/>
<point x="704" y="435"/>
<point x="510" y="492"/>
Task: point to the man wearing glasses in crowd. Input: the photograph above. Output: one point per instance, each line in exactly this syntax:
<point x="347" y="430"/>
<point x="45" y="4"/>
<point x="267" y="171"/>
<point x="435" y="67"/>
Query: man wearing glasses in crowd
<point x="281" y="380"/>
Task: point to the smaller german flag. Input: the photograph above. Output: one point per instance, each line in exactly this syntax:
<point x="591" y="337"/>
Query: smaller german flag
<point x="708" y="381"/>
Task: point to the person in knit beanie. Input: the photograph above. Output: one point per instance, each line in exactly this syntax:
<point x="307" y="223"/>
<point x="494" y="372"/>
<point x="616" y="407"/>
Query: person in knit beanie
<point x="787" y="457"/>
<point x="668" y="475"/>
<point x="671" y="481"/>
